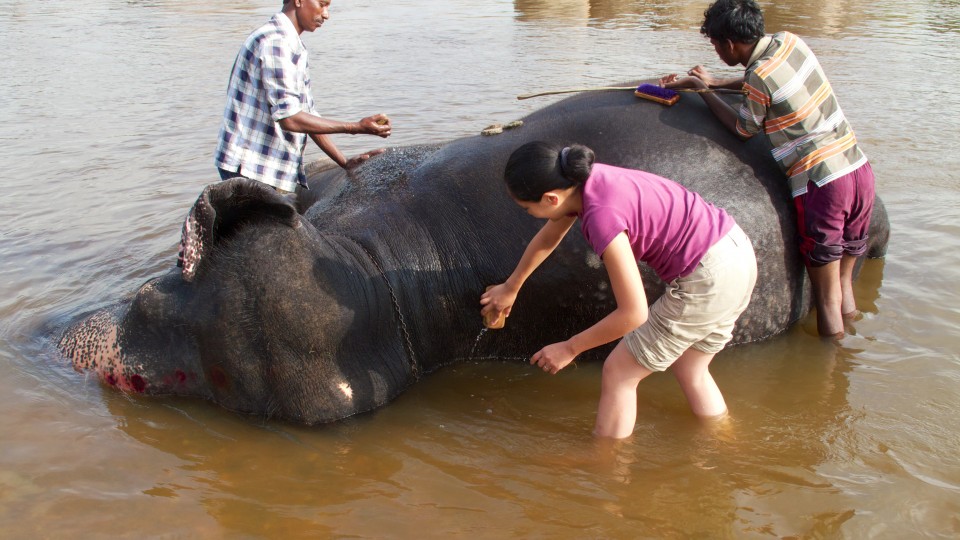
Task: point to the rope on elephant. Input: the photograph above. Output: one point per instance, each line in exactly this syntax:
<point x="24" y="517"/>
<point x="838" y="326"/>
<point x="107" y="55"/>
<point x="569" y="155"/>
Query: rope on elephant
<point x="496" y="129"/>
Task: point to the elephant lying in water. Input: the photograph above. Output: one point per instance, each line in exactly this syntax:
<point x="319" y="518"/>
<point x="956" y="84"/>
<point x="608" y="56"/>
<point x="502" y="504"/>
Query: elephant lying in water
<point x="326" y="312"/>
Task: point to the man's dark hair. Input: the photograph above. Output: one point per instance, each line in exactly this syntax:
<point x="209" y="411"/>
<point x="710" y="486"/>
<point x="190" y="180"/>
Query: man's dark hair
<point x="736" y="20"/>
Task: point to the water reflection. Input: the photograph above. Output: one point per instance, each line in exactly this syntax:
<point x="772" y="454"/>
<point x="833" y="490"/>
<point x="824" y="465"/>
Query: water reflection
<point x="500" y="439"/>
<point x="869" y="282"/>
<point x="944" y="16"/>
<point x="819" y="18"/>
<point x="605" y="12"/>
<point x="265" y="479"/>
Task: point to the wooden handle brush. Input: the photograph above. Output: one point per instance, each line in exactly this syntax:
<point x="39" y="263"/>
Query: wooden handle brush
<point x="642" y="89"/>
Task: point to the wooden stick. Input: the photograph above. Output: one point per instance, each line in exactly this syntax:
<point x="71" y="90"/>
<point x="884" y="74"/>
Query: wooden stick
<point x="694" y="90"/>
<point x="710" y="90"/>
<point x="572" y="90"/>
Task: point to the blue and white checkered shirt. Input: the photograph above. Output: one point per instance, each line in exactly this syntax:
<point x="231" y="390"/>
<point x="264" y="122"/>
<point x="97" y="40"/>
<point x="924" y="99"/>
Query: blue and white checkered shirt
<point x="270" y="81"/>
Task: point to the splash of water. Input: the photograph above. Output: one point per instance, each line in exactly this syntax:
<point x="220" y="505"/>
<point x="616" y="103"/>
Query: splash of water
<point x="477" y="341"/>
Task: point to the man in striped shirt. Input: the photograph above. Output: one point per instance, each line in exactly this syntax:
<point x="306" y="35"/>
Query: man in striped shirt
<point x="790" y="100"/>
<point x="270" y="109"/>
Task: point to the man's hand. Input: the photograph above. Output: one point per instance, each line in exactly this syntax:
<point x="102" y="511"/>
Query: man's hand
<point x="675" y="81"/>
<point x="696" y="72"/>
<point x="553" y="358"/>
<point x="378" y="124"/>
<point x="357" y="160"/>
<point x="701" y="74"/>
<point x="698" y="77"/>
<point x="704" y="75"/>
<point x="667" y="80"/>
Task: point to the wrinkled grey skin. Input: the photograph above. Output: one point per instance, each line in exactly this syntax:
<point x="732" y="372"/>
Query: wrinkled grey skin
<point x="316" y="317"/>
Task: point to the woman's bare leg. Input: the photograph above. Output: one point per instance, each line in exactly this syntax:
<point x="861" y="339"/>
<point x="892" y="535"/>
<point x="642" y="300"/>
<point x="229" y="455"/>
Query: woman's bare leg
<point x="693" y="373"/>
<point x="617" y="411"/>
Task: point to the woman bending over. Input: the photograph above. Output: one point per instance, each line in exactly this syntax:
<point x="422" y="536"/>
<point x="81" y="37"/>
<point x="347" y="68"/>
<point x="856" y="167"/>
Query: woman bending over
<point x="627" y="216"/>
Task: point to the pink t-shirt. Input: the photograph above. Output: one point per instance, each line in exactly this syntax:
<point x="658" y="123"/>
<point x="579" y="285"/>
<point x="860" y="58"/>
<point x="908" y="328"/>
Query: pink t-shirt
<point x="669" y="227"/>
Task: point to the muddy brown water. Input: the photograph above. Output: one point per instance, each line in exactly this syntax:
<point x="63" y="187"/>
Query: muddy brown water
<point x="109" y="116"/>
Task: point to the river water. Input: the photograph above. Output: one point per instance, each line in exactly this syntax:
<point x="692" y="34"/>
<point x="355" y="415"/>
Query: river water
<point x="108" y="118"/>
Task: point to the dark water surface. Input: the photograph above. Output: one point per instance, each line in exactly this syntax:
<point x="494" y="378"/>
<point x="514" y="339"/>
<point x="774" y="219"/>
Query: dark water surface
<point x="108" y="119"/>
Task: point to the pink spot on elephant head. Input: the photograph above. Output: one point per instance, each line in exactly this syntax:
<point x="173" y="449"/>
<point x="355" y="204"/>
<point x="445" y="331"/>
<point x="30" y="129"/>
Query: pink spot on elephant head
<point x="138" y="384"/>
<point x="218" y="377"/>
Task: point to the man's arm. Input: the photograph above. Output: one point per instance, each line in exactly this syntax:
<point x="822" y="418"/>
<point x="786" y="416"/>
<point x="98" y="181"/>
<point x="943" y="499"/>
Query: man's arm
<point x="318" y="128"/>
<point x="702" y="73"/>
<point x="282" y="84"/>
<point x="673" y="80"/>
<point x="724" y="112"/>
<point x="311" y="124"/>
<point x="720" y="108"/>
<point x="330" y="149"/>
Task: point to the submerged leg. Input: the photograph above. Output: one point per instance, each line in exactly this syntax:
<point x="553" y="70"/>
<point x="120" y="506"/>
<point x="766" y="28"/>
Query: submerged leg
<point x="848" y="304"/>
<point x="617" y="411"/>
<point x="828" y="295"/>
<point x="692" y="371"/>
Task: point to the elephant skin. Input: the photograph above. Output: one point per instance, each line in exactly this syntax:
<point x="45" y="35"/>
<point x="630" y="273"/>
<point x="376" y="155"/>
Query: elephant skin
<point x="320" y="312"/>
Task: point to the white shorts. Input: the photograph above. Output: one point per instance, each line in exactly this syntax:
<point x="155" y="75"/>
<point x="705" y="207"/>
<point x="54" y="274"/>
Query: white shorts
<point x="700" y="309"/>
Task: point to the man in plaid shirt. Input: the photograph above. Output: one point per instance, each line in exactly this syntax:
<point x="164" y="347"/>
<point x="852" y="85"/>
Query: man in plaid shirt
<point x="791" y="101"/>
<point x="270" y="109"/>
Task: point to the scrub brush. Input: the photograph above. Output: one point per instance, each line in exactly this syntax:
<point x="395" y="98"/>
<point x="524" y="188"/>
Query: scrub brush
<point x="659" y="94"/>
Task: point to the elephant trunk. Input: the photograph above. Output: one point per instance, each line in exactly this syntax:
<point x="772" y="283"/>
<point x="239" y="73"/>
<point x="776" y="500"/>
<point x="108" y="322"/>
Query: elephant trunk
<point x="97" y="345"/>
<point x="91" y="345"/>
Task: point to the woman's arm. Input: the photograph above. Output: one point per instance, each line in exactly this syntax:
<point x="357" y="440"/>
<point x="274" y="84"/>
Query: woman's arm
<point x="631" y="310"/>
<point x="500" y="298"/>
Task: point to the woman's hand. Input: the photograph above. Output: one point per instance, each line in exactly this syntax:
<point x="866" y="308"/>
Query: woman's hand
<point x="553" y="358"/>
<point x="498" y="300"/>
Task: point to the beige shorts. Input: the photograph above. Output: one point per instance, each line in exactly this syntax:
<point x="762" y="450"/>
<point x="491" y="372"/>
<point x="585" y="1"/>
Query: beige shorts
<point x="698" y="310"/>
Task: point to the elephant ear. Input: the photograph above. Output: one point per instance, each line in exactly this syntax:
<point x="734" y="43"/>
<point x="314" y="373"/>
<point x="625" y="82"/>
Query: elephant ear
<point x="220" y="210"/>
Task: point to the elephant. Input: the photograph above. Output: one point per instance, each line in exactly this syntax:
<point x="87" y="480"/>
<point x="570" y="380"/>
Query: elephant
<point x="318" y="309"/>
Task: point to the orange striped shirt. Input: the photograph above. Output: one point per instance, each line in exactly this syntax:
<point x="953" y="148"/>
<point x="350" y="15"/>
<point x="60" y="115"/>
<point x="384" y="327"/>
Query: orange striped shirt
<point x="790" y="100"/>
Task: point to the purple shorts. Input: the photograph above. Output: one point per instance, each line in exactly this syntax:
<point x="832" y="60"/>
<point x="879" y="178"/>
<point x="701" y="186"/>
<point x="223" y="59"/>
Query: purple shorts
<point x="833" y="219"/>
